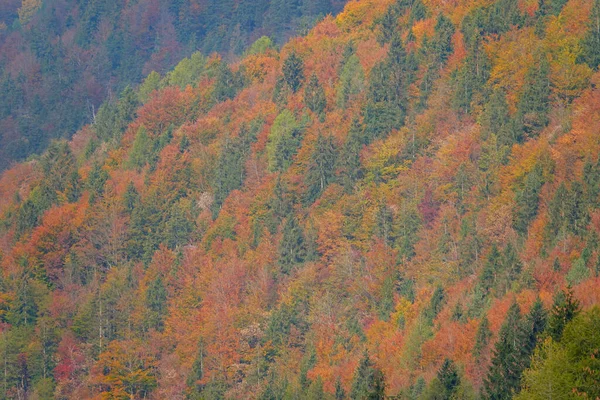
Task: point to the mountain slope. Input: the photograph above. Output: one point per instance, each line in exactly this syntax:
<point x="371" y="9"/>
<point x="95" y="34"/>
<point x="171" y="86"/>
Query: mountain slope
<point x="395" y="202"/>
<point x="60" y="59"/>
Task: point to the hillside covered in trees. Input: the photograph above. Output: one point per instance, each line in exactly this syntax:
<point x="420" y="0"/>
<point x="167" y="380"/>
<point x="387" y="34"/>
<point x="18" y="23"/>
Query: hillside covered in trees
<point x="403" y="202"/>
<point x="60" y="59"/>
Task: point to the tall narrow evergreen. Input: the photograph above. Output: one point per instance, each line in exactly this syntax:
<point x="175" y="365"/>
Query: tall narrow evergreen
<point x="482" y="338"/>
<point x="292" y="248"/>
<point x="293" y="71"/>
<point x="321" y="168"/>
<point x="314" y="96"/>
<point x="368" y="381"/>
<point x="565" y="308"/>
<point x="508" y="362"/>
<point x="442" y="39"/>
<point x="591" y="42"/>
<point x="534" y="104"/>
<point x="528" y="200"/>
<point x="448" y="377"/>
<point x="156" y="303"/>
<point x="349" y="158"/>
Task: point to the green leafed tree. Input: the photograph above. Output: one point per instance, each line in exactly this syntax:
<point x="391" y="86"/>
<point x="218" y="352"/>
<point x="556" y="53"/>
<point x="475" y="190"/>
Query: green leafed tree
<point x="284" y="140"/>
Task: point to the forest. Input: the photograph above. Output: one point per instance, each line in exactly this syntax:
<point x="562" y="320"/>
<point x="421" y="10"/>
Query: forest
<point x="60" y="59"/>
<point x="402" y="201"/>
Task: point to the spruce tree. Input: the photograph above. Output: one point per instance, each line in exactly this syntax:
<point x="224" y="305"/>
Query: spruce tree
<point x="527" y="200"/>
<point x="368" y="382"/>
<point x="131" y="197"/>
<point x="293" y="71"/>
<point x="496" y="119"/>
<point x="534" y="104"/>
<point x="23" y="309"/>
<point x="197" y="372"/>
<point x="225" y="85"/>
<point x="340" y="393"/>
<point x="314" y="96"/>
<point x="577" y="217"/>
<point x="535" y="325"/>
<point x="591" y="42"/>
<point x="96" y="180"/>
<point x="435" y="304"/>
<point x="448" y="377"/>
<point x="487" y="280"/>
<point x="156" y="303"/>
<point x="292" y="248"/>
<point x="510" y="358"/>
<point x="442" y="39"/>
<point x="388" y="25"/>
<point x="565" y="308"/>
<point x="349" y="159"/>
<point x="321" y="168"/>
<point x="385" y="224"/>
<point x="591" y="183"/>
<point x="482" y="337"/>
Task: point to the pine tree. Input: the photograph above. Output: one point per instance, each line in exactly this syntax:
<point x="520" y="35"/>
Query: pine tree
<point x="74" y="187"/>
<point x="351" y="82"/>
<point x="591" y="42"/>
<point x="534" y="104"/>
<point x="550" y="7"/>
<point x="496" y="119"/>
<point x="131" y="197"/>
<point x="511" y="269"/>
<point x="23" y="310"/>
<point x="349" y="159"/>
<point x="141" y="150"/>
<point x="225" y="85"/>
<point x="385" y="224"/>
<point x="314" y="96"/>
<point x="386" y="99"/>
<point x="340" y="393"/>
<point x="442" y="39"/>
<point x="509" y="359"/>
<point x="126" y="107"/>
<point x="57" y="164"/>
<point x="449" y="379"/>
<point x="156" y="303"/>
<point x="27" y="217"/>
<point x="293" y="71"/>
<point x="591" y="183"/>
<point x="321" y="168"/>
<point x="577" y="217"/>
<point x="435" y="304"/>
<point x="471" y="78"/>
<point x="482" y="338"/>
<point x="292" y="248"/>
<point x="488" y="278"/>
<point x="535" y="325"/>
<point x="96" y="180"/>
<point x="315" y="390"/>
<point x="284" y="139"/>
<point x="368" y="382"/>
<point x="528" y="200"/>
<point x="197" y="372"/>
<point x="565" y="308"/>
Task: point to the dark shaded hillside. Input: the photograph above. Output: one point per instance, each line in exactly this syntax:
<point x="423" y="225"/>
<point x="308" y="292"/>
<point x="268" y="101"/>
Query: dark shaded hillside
<point x="60" y="59"/>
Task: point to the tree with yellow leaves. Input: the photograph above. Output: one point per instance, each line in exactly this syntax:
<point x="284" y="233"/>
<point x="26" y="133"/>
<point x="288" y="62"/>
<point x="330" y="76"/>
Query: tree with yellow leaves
<point x="28" y="9"/>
